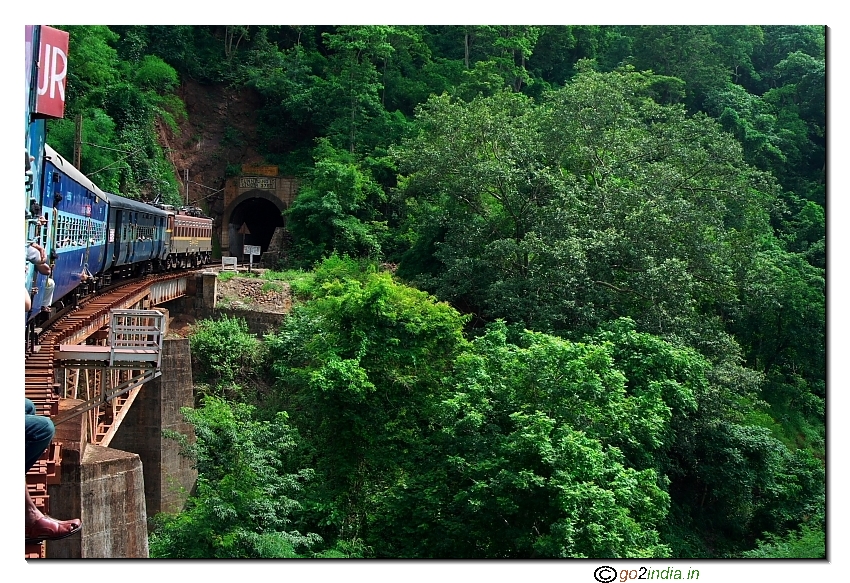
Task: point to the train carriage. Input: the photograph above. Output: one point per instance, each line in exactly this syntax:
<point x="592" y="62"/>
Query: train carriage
<point x="74" y="236"/>
<point x="137" y="240"/>
<point x="191" y="238"/>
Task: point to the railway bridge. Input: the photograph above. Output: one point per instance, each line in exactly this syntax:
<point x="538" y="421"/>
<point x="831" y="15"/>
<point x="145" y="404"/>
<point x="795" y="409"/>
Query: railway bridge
<point x="112" y="384"/>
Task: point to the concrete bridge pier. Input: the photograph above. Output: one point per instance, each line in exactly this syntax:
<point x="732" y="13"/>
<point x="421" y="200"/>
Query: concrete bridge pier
<point x="169" y="476"/>
<point x="115" y="489"/>
<point x="105" y="488"/>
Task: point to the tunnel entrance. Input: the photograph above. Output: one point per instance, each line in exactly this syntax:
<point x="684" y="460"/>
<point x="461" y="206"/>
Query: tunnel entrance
<point x="259" y="217"/>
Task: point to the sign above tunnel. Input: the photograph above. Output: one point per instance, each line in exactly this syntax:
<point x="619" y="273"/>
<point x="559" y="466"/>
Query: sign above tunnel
<point x="261" y="182"/>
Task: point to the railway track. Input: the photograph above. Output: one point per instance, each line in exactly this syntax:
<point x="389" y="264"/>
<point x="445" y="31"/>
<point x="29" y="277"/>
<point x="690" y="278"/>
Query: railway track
<point x="74" y="325"/>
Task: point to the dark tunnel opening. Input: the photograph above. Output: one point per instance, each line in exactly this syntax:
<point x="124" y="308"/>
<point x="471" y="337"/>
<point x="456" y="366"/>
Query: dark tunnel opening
<point x="260" y="217"/>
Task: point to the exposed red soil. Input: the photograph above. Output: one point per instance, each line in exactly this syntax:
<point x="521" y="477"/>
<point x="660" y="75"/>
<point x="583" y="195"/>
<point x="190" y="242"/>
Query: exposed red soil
<point x="220" y="128"/>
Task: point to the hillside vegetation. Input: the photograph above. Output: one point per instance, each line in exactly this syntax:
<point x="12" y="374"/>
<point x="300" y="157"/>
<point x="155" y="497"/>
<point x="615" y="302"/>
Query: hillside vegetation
<point x="559" y="291"/>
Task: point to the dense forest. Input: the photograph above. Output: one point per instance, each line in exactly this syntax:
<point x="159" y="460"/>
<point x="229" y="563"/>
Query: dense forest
<point x="560" y="289"/>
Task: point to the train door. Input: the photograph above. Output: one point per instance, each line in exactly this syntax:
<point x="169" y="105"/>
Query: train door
<point x="132" y="221"/>
<point x="169" y="233"/>
<point x="121" y="221"/>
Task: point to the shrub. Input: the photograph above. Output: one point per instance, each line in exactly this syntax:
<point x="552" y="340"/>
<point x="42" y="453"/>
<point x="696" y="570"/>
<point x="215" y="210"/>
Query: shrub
<point x="225" y="350"/>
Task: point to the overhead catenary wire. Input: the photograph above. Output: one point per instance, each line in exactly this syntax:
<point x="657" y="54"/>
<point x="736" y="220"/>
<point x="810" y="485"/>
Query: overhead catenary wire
<point x="130" y="153"/>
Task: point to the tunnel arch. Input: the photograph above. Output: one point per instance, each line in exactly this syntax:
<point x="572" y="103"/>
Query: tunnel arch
<point x="261" y="211"/>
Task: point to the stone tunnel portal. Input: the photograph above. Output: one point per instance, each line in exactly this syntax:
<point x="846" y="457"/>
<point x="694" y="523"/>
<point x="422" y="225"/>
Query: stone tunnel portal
<point x="261" y="216"/>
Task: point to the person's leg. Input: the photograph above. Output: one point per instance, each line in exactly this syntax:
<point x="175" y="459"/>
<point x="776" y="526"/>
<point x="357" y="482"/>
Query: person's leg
<point x="49" y="288"/>
<point x="39" y="431"/>
<point x="37" y="525"/>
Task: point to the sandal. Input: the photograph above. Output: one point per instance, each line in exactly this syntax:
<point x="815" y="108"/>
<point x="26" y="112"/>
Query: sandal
<point x="46" y="528"/>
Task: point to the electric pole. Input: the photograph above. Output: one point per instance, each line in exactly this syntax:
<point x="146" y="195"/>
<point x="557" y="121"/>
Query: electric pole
<point x="78" y="140"/>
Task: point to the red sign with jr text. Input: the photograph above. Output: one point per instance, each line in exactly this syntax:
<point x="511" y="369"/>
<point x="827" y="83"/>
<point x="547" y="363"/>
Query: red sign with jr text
<point x="52" y="72"/>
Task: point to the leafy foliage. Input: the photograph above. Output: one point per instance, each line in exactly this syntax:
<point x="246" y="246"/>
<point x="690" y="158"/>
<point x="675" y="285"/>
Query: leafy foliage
<point x="809" y="543"/>
<point x="120" y="101"/>
<point x="600" y="203"/>
<point x="492" y="448"/>
<point x="524" y="460"/>
<point x="632" y="220"/>
<point x="335" y="208"/>
<point x="243" y="499"/>
<point x="225" y="349"/>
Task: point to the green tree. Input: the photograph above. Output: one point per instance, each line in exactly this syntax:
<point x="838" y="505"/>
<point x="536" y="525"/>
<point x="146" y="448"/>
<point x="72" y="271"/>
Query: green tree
<point x="354" y="86"/>
<point x="120" y="101"/>
<point x="691" y="53"/>
<point x="596" y="204"/>
<point x="599" y="203"/>
<point x="335" y="211"/>
<point x="246" y="490"/>
<point x="807" y="543"/>
<point x="358" y="363"/>
<point x="524" y="461"/>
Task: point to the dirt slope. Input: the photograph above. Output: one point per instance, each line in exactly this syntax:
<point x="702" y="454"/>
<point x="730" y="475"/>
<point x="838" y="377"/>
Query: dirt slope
<point x="220" y="129"/>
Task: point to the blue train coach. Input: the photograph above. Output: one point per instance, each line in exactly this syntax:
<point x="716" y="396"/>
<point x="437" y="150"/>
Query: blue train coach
<point x="136" y="241"/>
<point x="76" y="211"/>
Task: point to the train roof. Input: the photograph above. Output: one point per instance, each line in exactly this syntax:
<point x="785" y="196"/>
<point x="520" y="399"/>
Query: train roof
<point x="60" y="162"/>
<point x="120" y="202"/>
<point x="192" y="219"/>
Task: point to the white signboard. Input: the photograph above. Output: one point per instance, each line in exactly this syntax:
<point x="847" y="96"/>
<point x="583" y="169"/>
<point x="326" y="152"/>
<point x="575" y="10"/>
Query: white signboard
<point x="251" y="250"/>
<point x="228" y="263"/>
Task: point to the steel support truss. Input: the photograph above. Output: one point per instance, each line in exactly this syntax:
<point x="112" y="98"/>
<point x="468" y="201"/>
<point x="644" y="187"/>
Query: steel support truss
<point x="107" y="393"/>
<point x="107" y="378"/>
